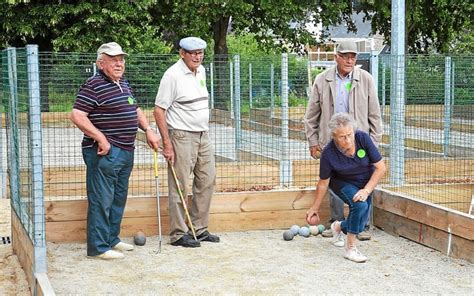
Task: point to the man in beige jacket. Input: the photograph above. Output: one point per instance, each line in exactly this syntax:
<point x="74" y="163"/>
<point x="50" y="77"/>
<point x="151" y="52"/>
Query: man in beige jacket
<point x="342" y="88"/>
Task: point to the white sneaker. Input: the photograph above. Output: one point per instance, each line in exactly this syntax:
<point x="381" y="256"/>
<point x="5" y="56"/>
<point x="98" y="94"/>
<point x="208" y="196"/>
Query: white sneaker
<point x="109" y="255"/>
<point x="337" y="236"/>
<point x="121" y="246"/>
<point x="355" y="255"/>
<point x="326" y="233"/>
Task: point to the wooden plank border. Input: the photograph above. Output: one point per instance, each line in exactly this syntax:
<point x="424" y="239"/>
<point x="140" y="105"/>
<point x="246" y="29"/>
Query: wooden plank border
<point x="23" y="248"/>
<point x="236" y="211"/>
<point x="417" y="220"/>
<point x="448" y="231"/>
<point x="43" y="285"/>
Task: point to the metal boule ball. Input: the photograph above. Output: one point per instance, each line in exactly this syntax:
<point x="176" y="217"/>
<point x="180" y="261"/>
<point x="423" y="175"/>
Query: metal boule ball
<point x="139" y="239"/>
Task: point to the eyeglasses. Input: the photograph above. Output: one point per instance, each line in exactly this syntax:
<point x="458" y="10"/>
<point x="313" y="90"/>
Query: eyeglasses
<point x="195" y="54"/>
<point x="347" y="56"/>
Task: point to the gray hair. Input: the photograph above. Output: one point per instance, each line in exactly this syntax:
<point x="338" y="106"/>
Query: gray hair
<point x="341" y="120"/>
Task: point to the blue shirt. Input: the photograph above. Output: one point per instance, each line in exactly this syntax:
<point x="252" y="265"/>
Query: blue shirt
<point x="343" y="88"/>
<point x="355" y="170"/>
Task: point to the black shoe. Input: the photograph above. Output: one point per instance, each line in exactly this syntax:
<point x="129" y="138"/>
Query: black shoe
<point x="207" y="237"/>
<point x="186" y="241"/>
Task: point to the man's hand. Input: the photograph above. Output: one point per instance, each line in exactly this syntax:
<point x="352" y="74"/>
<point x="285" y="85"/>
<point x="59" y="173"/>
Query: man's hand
<point x="315" y="151"/>
<point x="103" y="147"/>
<point x="168" y="152"/>
<point x="152" y="139"/>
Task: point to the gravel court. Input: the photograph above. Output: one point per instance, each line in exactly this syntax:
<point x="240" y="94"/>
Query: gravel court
<point x="262" y="263"/>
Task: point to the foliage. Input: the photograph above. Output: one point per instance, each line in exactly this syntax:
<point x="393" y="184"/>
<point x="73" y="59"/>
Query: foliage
<point x="79" y="26"/>
<point x="425" y="79"/>
<point x="439" y="25"/>
<point x="247" y="45"/>
<point x="464" y="43"/>
<point x="274" y="23"/>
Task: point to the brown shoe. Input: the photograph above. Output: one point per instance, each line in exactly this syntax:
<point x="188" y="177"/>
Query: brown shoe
<point x="364" y="235"/>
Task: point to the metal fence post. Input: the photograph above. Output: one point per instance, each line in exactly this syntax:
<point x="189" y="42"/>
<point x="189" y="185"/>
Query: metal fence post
<point x="374" y="66"/>
<point x="231" y="82"/>
<point x="13" y="131"/>
<point x="211" y="73"/>
<point x="447" y="106"/>
<point x="285" y="162"/>
<point x="250" y="86"/>
<point x="238" y="129"/>
<point x="310" y="80"/>
<point x="3" y="182"/>
<point x="36" y="158"/>
<point x="272" y="91"/>
<point x="3" y="171"/>
<point x="383" y="89"/>
<point x="397" y="95"/>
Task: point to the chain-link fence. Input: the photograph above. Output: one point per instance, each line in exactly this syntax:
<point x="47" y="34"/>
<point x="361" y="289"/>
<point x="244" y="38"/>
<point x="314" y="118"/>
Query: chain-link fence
<point x="432" y="118"/>
<point x="246" y="125"/>
<point x="21" y="102"/>
<point x="258" y="104"/>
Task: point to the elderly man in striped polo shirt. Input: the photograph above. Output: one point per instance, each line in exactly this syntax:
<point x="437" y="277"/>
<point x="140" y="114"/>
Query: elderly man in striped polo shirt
<point x="106" y="111"/>
<point x="182" y="115"/>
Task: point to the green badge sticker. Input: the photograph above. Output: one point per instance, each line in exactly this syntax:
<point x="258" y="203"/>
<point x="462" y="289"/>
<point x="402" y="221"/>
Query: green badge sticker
<point x="361" y="153"/>
<point x="348" y="86"/>
<point x="203" y="83"/>
<point x="131" y="101"/>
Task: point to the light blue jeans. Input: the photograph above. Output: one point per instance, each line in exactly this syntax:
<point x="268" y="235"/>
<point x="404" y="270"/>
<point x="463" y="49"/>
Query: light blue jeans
<point x="107" y="187"/>
<point x="358" y="211"/>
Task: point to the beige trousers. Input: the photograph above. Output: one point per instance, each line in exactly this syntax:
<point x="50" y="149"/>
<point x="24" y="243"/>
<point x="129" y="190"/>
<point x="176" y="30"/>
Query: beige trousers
<point x="194" y="165"/>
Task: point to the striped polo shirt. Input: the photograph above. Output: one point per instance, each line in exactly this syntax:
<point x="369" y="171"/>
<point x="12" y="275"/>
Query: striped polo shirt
<point x="111" y="108"/>
<point x="184" y="96"/>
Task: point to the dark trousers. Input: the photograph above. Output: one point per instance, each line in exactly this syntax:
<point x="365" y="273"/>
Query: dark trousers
<point x="107" y="187"/>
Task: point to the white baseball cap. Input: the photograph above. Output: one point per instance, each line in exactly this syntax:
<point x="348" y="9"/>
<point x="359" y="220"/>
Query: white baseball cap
<point x="111" y="49"/>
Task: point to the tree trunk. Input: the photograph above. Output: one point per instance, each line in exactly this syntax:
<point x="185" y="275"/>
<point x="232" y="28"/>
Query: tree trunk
<point x="220" y="35"/>
<point x="221" y="64"/>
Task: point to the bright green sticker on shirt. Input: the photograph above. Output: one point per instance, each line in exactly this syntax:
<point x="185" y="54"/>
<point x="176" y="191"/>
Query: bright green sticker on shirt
<point x="202" y="83"/>
<point x="361" y="153"/>
<point x="348" y="86"/>
<point x="130" y="100"/>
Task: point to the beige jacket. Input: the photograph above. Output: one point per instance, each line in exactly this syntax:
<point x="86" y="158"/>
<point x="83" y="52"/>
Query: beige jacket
<point x="363" y="106"/>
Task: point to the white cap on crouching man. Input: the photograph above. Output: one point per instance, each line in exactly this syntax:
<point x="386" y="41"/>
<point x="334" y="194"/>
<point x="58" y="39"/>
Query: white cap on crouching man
<point x="346" y="46"/>
<point x="111" y="49"/>
<point x="192" y="43"/>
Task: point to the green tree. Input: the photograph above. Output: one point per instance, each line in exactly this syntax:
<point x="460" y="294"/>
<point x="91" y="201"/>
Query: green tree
<point x="431" y="26"/>
<point x="79" y="25"/>
<point x="273" y="23"/>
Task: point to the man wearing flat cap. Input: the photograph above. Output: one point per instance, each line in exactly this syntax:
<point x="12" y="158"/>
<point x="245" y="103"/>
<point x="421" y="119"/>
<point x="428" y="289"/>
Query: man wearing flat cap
<point x="182" y="116"/>
<point x="106" y="111"/>
<point x="342" y="88"/>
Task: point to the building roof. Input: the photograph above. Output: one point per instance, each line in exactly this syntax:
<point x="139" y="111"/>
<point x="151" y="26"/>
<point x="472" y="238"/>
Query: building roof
<point x="363" y="28"/>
